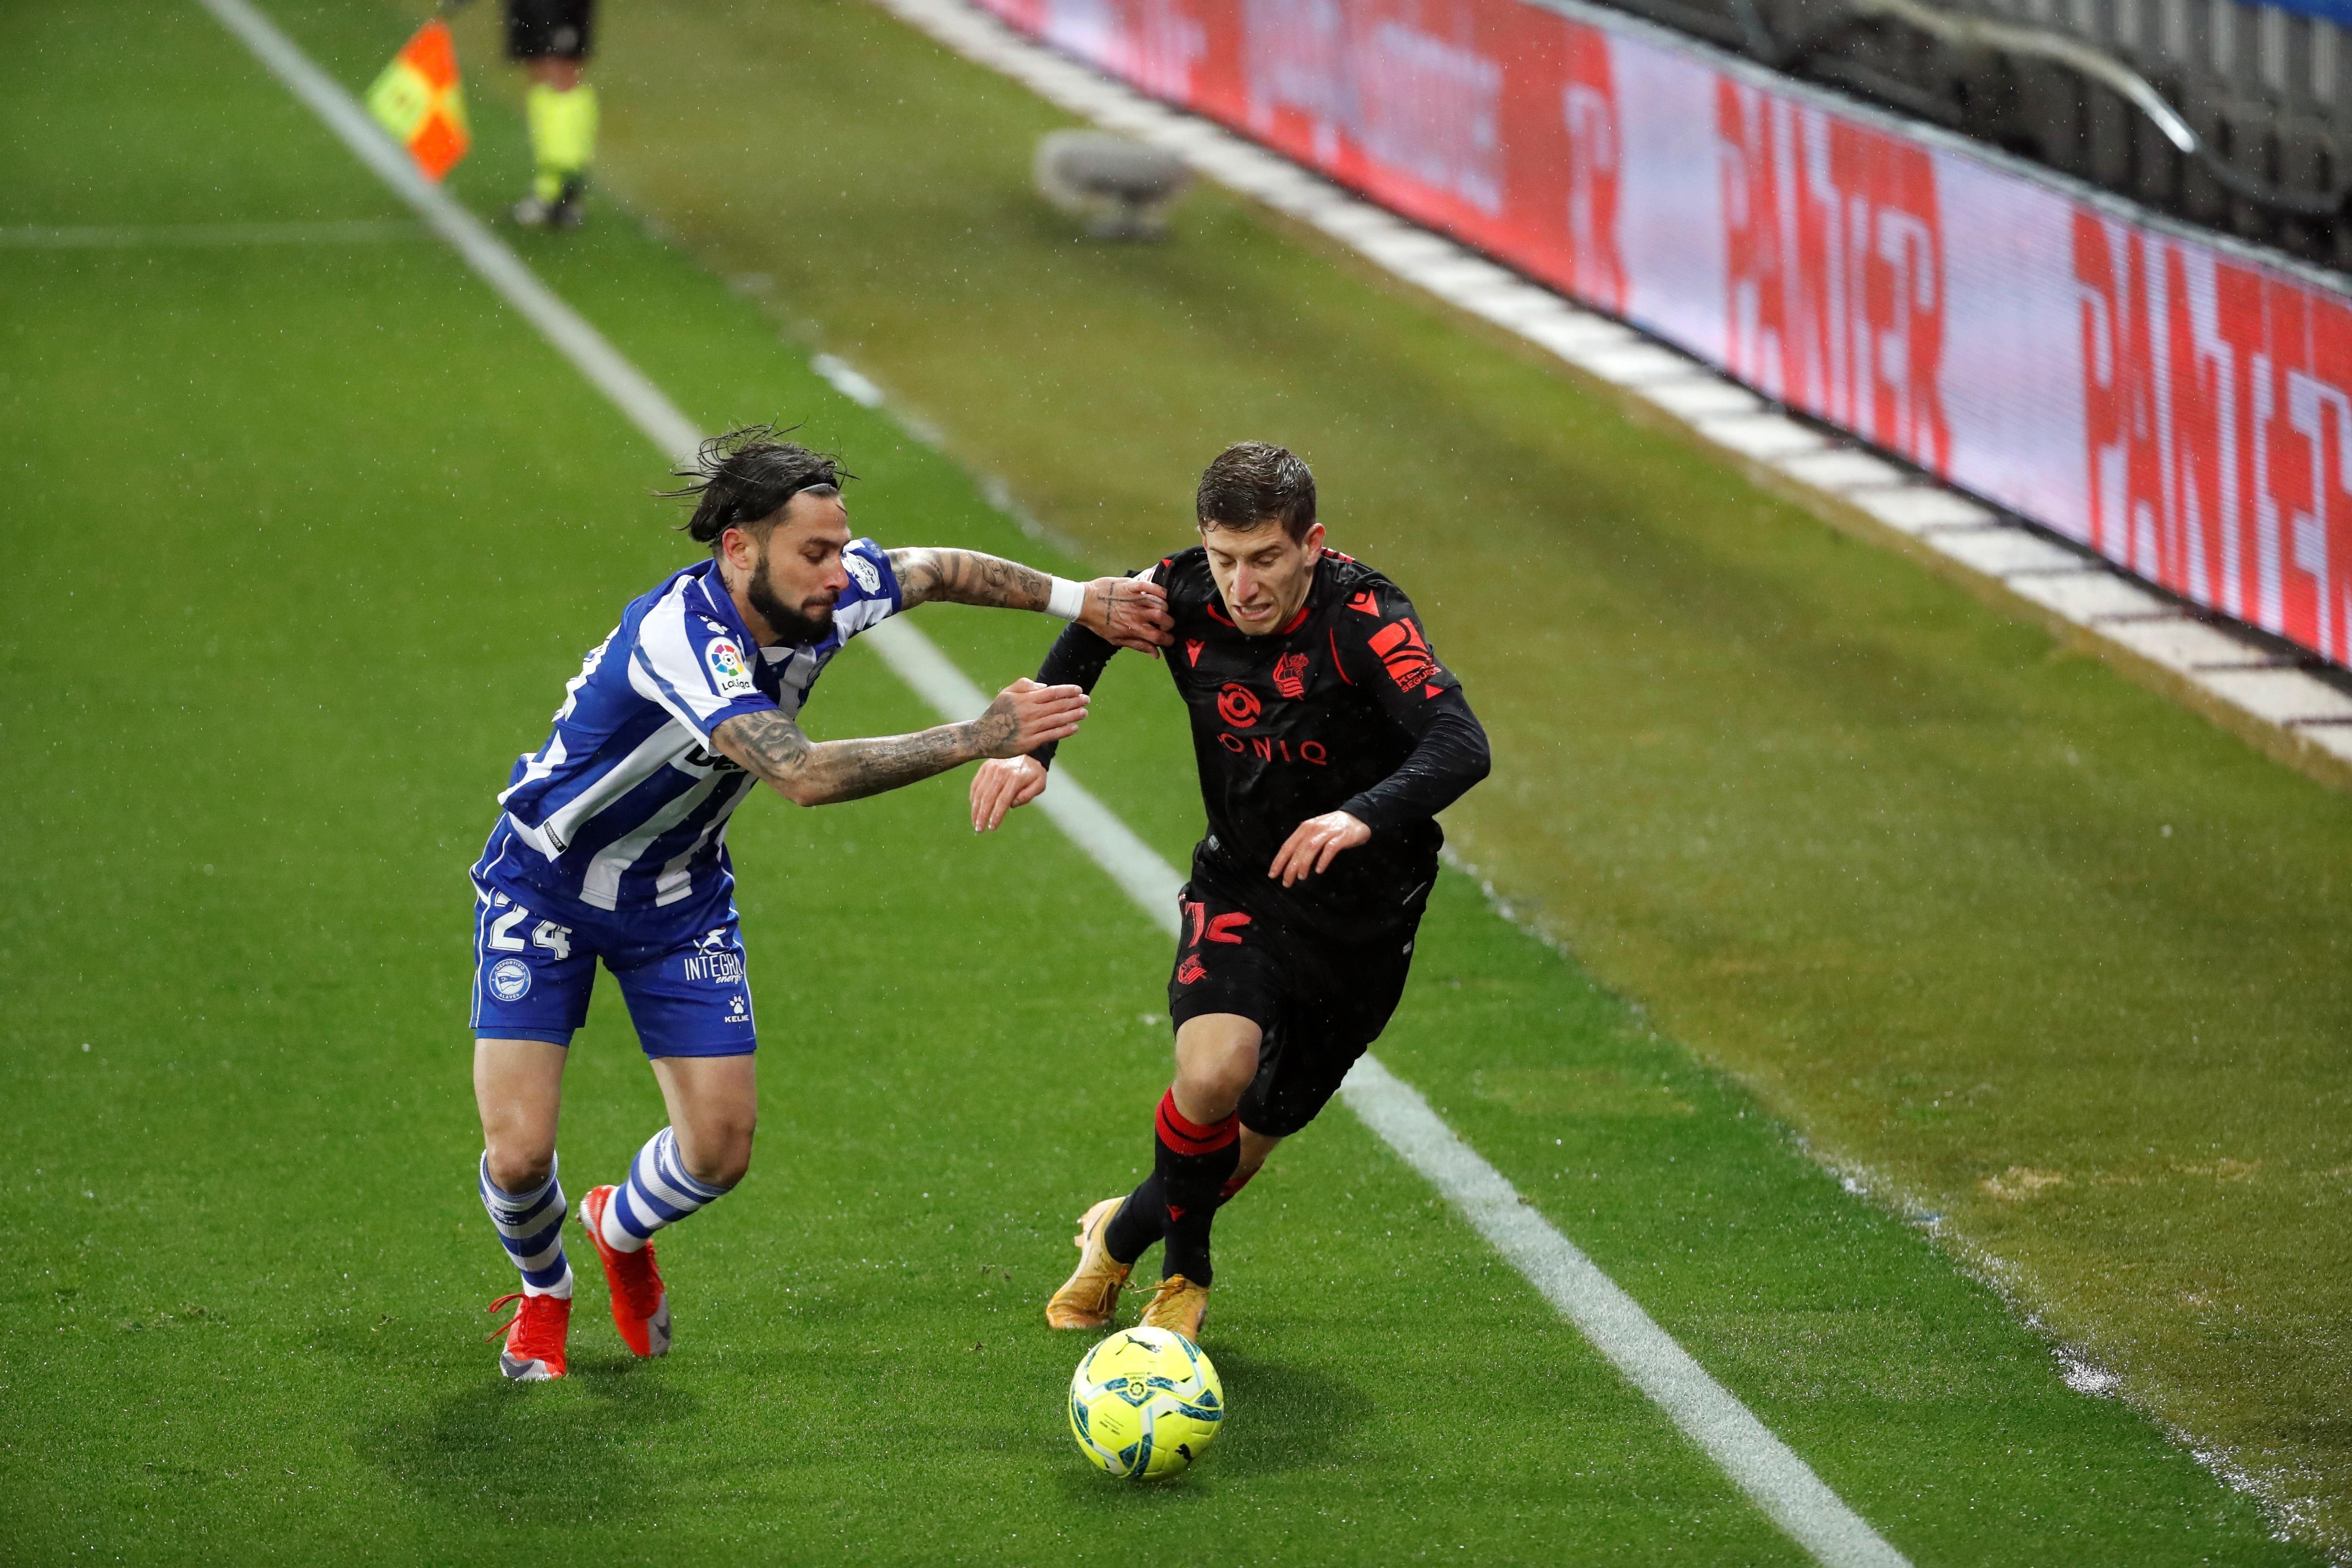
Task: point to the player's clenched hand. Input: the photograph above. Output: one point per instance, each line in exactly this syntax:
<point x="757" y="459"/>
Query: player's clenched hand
<point x="1002" y="783"/>
<point x="1313" y="843"/>
<point x="1128" y="612"/>
<point x="1026" y="715"/>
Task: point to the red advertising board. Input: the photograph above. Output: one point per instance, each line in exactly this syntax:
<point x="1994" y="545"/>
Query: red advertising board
<point x="2181" y="408"/>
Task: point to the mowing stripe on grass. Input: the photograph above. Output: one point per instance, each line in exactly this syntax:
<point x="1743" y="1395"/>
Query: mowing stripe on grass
<point x="1759" y="1463"/>
<point x="483" y="251"/>
<point x="206" y="235"/>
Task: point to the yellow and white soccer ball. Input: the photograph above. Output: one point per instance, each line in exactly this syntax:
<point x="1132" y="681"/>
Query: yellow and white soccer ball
<point x="1145" y="1402"/>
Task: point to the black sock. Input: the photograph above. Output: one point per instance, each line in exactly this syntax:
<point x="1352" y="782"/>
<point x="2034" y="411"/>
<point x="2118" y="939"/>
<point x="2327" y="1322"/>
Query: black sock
<point x="1143" y="1218"/>
<point x="1192" y="1162"/>
<point x="1139" y="1222"/>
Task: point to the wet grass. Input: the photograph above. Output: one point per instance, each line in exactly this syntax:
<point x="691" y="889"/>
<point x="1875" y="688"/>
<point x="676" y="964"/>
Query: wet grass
<point x="2027" y="946"/>
<point x="376" y="522"/>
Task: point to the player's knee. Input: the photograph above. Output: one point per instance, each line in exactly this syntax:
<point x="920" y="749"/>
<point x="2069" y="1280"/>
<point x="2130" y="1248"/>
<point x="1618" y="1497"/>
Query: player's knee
<point x="1213" y="1089"/>
<point x="717" y="1156"/>
<point x="729" y="1168"/>
<point x="518" y="1165"/>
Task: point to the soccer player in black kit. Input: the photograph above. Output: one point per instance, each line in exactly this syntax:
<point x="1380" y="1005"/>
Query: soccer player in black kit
<point x="1328" y="737"/>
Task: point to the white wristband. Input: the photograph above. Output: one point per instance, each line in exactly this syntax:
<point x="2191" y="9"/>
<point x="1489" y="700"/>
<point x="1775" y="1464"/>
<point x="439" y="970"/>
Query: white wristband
<point x="1068" y="600"/>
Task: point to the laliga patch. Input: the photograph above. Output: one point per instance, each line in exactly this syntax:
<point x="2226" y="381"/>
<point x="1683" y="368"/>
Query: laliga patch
<point x="726" y="671"/>
<point x="509" y="980"/>
<point x="863" y="570"/>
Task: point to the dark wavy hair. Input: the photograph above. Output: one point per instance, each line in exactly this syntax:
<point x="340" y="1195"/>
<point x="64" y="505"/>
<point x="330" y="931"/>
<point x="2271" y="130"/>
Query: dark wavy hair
<point x="743" y="478"/>
<point x="1251" y="481"/>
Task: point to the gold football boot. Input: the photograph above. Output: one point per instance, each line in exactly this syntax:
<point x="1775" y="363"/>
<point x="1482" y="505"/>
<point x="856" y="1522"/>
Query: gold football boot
<point x="1089" y="1297"/>
<point x="1180" y="1305"/>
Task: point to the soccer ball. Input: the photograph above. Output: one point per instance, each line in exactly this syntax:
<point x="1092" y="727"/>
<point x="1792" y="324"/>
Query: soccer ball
<point x="1144" y="1404"/>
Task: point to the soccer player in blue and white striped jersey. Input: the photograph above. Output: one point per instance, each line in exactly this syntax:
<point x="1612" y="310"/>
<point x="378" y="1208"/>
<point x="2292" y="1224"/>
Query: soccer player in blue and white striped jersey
<point x="611" y="847"/>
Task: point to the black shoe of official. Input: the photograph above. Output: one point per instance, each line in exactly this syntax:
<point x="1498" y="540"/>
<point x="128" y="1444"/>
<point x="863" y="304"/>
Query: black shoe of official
<point x="567" y="211"/>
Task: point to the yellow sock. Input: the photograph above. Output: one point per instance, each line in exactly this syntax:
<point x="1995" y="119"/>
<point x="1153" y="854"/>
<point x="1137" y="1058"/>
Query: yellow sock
<point x="562" y="135"/>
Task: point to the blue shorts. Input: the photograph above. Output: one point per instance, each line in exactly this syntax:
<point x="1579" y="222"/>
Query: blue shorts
<point x="680" y="968"/>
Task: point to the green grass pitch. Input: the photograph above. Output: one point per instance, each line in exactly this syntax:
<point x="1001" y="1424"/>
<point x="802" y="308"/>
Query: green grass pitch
<point x="302" y="541"/>
<point x="2013" y="939"/>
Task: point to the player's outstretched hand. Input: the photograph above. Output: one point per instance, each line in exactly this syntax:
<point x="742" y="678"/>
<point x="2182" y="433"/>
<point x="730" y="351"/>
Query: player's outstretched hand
<point x="1128" y="612"/>
<point x="1313" y="843"/>
<point x="1026" y="715"/>
<point x="1002" y="783"/>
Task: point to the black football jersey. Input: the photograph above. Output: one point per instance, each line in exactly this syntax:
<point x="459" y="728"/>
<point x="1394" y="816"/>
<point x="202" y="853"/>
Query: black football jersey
<point x="1346" y="707"/>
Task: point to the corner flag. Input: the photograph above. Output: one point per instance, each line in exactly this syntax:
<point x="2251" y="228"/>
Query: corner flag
<point x="419" y="99"/>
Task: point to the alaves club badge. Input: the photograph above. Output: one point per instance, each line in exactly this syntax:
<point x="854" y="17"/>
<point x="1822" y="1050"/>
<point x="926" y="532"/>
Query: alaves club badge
<point x="509" y="980"/>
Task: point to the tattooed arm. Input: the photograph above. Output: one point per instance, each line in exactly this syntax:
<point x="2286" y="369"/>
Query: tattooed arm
<point x="818" y="772"/>
<point x="1122" y="611"/>
<point x="968" y="577"/>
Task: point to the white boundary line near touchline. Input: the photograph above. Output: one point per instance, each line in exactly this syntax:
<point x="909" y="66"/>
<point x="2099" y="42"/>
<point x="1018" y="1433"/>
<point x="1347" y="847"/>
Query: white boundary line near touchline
<point x="1762" y="1466"/>
<point x="2228" y="670"/>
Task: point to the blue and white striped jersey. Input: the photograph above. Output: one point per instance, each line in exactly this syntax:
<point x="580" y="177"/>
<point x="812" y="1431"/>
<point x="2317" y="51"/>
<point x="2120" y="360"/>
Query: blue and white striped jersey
<point x="627" y="805"/>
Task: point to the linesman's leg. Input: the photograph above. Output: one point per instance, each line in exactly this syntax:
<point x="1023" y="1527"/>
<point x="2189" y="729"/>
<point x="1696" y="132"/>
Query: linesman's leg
<point x="552" y="40"/>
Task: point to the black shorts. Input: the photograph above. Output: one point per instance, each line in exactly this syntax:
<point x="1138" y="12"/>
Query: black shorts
<point x="1320" y="1001"/>
<point x="549" y="29"/>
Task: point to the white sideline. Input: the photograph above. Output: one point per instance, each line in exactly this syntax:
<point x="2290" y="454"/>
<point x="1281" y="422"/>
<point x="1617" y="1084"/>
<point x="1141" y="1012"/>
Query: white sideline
<point x="2094" y="594"/>
<point x="483" y="251"/>
<point x="1763" y="1467"/>
<point x="1093" y="826"/>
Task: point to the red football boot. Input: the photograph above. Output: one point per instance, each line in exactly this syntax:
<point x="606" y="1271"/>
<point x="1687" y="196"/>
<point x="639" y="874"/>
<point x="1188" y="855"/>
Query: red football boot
<point x="640" y="1302"/>
<point x="534" y="1335"/>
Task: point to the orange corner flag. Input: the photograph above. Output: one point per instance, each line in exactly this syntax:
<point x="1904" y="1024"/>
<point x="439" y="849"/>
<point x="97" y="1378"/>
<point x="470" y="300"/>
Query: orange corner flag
<point x="420" y="101"/>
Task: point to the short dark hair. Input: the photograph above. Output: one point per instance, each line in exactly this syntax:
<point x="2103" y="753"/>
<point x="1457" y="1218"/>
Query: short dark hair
<point x="1251" y="481"/>
<point x="742" y="479"/>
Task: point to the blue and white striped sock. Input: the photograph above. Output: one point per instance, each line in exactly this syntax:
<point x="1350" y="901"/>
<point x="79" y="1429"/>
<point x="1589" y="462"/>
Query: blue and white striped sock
<point x="531" y="1226"/>
<point x="657" y="1193"/>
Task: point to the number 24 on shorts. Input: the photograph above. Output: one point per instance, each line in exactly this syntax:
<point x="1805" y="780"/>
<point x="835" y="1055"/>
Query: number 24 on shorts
<point x="556" y="939"/>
